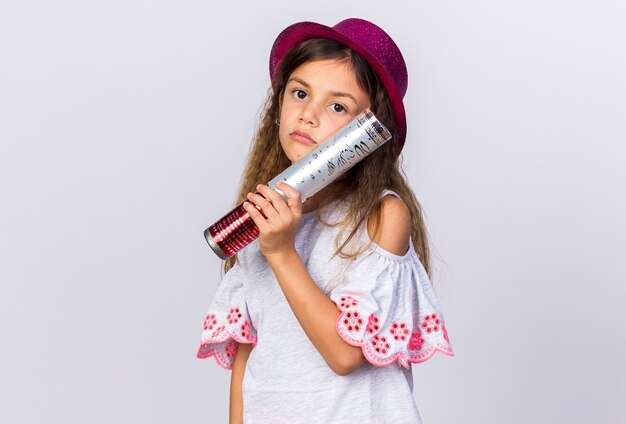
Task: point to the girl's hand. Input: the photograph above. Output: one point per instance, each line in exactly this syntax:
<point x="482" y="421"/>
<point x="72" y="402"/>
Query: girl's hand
<point x="277" y="229"/>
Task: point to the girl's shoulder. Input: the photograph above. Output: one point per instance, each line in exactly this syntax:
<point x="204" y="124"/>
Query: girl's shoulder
<point x="393" y="231"/>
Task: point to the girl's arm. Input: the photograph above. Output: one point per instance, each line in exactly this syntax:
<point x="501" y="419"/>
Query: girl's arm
<point x="236" y="378"/>
<point x="315" y="312"/>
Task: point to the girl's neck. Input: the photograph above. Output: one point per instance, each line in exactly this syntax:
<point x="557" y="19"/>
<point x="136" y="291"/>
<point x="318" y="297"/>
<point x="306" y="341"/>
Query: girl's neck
<point x="313" y="202"/>
<point x="310" y="204"/>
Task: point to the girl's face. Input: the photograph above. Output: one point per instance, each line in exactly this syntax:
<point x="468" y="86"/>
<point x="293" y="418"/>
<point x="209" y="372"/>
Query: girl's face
<point x="320" y="97"/>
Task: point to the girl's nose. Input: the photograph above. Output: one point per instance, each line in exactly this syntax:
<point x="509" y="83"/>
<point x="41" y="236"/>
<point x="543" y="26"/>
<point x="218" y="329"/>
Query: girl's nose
<point x="309" y="114"/>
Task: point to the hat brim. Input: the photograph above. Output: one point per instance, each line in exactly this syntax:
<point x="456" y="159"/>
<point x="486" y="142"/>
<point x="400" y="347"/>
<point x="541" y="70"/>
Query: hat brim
<point x="301" y="31"/>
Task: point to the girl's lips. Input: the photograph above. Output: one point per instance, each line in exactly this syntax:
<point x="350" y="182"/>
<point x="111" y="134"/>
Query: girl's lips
<point x="302" y="138"/>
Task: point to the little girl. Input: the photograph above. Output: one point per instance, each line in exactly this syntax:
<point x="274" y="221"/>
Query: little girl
<point x="321" y="317"/>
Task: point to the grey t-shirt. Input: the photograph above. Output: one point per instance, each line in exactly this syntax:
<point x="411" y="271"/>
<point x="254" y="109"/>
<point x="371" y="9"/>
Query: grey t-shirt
<point x="388" y="308"/>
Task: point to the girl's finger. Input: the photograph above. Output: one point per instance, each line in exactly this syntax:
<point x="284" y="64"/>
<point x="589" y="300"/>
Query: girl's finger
<point x="277" y="200"/>
<point x="256" y="216"/>
<point x="267" y="208"/>
<point x="294" y="200"/>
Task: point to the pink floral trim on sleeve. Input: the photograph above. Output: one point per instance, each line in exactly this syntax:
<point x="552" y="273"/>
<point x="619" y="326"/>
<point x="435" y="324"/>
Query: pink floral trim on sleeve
<point x="383" y="344"/>
<point x="220" y="339"/>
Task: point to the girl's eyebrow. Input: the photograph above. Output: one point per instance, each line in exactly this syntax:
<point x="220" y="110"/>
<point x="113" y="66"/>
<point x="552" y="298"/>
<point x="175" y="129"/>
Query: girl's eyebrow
<point x="334" y="93"/>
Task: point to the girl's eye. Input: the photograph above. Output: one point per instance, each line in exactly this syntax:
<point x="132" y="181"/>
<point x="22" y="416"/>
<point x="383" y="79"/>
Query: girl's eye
<point x="338" y="108"/>
<point x="299" y="94"/>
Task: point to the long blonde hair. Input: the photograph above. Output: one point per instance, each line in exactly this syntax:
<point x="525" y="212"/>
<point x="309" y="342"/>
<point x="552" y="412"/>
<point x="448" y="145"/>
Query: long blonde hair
<point x="381" y="170"/>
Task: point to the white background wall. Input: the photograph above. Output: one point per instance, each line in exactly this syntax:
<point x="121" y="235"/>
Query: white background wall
<point x="123" y="130"/>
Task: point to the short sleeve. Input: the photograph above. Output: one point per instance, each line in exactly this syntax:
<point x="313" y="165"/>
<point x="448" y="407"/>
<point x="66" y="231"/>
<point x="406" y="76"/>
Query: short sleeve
<point x="389" y="309"/>
<point x="227" y="322"/>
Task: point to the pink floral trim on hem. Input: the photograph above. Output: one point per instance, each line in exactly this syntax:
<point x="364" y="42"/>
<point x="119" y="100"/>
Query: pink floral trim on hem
<point x="223" y="347"/>
<point x="379" y="341"/>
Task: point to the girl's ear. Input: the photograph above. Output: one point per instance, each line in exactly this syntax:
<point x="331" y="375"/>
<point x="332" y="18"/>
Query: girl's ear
<point x="280" y="102"/>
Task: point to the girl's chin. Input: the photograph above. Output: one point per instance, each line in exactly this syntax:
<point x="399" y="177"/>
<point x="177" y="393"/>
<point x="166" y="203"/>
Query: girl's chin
<point x="295" y="156"/>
